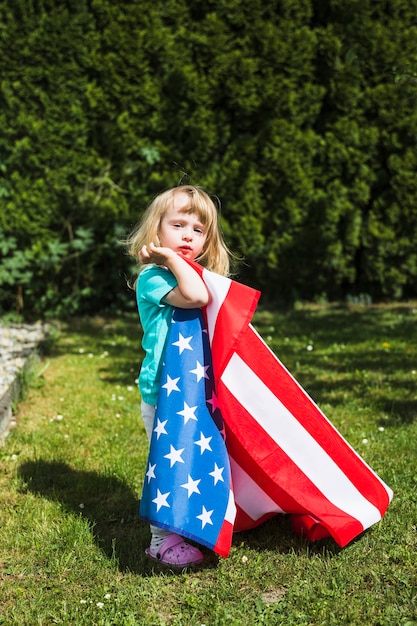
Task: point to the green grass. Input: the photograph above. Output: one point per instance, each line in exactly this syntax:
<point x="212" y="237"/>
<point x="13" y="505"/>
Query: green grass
<point x="72" y="545"/>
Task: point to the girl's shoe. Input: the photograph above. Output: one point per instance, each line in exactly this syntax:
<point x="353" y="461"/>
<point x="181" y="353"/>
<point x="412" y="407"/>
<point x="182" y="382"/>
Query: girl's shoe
<point x="175" y="552"/>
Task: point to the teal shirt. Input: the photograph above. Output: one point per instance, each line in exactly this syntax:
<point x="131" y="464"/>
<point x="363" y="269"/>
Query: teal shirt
<point x="153" y="285"/>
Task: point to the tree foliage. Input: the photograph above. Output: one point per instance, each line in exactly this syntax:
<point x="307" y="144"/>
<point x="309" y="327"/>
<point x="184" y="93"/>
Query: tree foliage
<point x="300" y="114"/>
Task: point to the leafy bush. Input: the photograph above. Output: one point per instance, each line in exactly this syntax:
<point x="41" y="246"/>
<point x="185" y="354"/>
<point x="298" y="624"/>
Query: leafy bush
<point x="300" y="115"/>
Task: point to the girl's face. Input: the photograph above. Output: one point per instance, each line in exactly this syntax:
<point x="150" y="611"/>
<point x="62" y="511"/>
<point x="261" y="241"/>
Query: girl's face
<point x="180" y="231"/>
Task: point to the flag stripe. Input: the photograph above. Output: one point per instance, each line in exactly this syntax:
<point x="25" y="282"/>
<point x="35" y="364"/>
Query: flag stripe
<point x="281" y="425"/>
<point x="249" y="496"/>
<point x="279" y="477"/>
<point x="279" y="381"/>
<point x="230" y="310"/>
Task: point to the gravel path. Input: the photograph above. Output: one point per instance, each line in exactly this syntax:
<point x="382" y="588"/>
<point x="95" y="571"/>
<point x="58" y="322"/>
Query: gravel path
<point x="16" y="343"/>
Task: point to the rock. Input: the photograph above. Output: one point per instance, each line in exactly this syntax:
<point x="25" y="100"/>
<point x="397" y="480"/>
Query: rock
<point x="17" y="341"/>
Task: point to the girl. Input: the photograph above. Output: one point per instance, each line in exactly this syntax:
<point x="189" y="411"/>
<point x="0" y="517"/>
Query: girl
<point x="180" y="223"/>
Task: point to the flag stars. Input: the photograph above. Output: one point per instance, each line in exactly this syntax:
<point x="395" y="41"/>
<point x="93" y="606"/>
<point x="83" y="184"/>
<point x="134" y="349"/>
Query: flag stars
<point x="217" y="474"/>
<point x="174" y="455"/>
<point x="183" y="343"/>
<point x="213" y="401"/>
<point x="171" y="384"/>
<point x="200" y="371"/>
<point x="191" y="485"/>
<point x="161" y="500"/>
<point x="188" y="413"/>
<point x="204" y="443"/>
<point x="151" y="472"/>
<point x="205" y="517"/>
<point x="160" y="428"/>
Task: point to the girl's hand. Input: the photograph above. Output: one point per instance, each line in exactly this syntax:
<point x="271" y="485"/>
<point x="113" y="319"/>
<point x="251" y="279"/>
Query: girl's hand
<point x="155" y="254"/>
<point x="191" y="292"/>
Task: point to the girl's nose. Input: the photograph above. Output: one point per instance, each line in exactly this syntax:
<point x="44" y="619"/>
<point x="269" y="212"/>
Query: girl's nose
<point x="187" y="235"/>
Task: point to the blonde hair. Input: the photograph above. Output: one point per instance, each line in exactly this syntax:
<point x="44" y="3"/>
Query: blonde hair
<point x="215" y="255"/>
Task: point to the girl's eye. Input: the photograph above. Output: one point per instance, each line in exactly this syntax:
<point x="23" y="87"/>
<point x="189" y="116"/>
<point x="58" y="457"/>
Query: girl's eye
<point x="199" y="230"/>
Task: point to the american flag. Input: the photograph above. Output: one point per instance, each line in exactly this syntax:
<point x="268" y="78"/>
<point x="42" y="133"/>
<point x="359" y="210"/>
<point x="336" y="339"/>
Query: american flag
<point x="285" y="455"/>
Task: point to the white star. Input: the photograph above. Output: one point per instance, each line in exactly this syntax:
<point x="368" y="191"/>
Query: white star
<point x="217" y="474"/>
<point x="151" y="472"/>
<point x="171" y="384"/>
<point x="174" y="455"/>
<point x="161" y="500"/>
<point x="160" y="428"/>
<point x="183" y="343"/>
<point x="213" y="401"/>
<point x="191" y="486"/>
<point x="200" y="371"/>
<point x="188" y="413"/>
<point x="205" y="517"/>
<point x="204" y="443"/>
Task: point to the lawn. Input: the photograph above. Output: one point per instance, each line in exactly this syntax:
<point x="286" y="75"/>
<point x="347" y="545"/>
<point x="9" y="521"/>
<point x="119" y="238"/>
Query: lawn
<point x="72" y="544"/>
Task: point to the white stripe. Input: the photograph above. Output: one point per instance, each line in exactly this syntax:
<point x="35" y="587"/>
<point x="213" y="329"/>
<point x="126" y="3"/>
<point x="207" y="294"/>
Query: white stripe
<point x="249" y="496"/>
<point x="303" y="391"/>
<point x="230" y="514"/>
<point x="218" y="288"/>
<point x="296" y="442"/>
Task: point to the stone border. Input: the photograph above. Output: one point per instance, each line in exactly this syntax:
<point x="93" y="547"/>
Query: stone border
<point x="17" y="343"/>
<point x="7" y="421"/>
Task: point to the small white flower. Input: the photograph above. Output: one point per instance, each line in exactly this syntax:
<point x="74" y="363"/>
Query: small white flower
<point x="117" y="414"/>
<point x="244" y="559"/>
<point x="82" y="506"/>
<point x="107" y="596"/>
<point x="364" y="441"/>
<point x="309" y="347"/>
<point x="83" y="601"/>
<point x="81" y="350"/>
<point x="120" y="397"/>
<point x="14" y="457"/>
<point x="130" y="388"/>
<point x="90" y="355"/>
<point x="59" y="417"/>
<point x="413" y="372"/>
<point x="100" y="605"/>
<point x="381" y="429"/>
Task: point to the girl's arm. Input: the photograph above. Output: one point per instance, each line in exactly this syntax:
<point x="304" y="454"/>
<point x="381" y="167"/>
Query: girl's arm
<point x="191" y="292"/>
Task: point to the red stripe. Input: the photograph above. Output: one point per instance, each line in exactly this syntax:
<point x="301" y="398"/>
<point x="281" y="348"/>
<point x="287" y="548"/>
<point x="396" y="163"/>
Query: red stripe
<point x="232" y="320"/>
<point x="274" y="375"/>
<point x="276" y="474"/>
<point x="245" y="522"/>
<point x="224" y="539"/>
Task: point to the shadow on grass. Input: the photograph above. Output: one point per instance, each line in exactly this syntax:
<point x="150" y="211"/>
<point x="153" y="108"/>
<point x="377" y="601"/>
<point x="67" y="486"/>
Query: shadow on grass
<point x="109" y="505"/>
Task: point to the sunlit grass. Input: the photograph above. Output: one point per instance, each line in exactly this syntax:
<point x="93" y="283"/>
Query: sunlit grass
<point x="72" y="545"/>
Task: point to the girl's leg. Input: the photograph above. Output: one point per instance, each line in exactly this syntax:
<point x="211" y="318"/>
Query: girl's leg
<point x="148" y="416"/>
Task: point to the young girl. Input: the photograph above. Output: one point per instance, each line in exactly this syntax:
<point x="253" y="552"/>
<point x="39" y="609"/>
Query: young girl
<point x="180" y="223"/>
